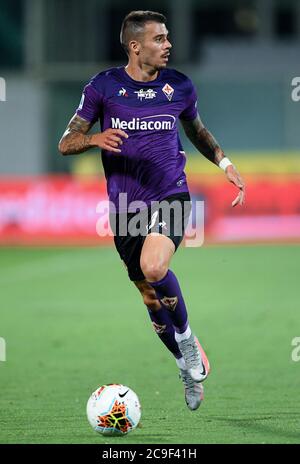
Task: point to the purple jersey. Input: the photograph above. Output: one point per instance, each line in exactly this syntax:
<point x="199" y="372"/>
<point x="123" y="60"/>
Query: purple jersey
<point x="151" y="163"/>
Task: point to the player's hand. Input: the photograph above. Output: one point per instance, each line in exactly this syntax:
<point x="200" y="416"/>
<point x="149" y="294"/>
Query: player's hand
<point x="234" y="177"/>
<point x="109" y="140"/>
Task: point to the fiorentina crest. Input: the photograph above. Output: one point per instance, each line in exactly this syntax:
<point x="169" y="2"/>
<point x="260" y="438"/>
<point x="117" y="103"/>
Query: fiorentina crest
<point x="159" y="328"/>
<point x="170" y="302"/>
<point x="168" y="91"/>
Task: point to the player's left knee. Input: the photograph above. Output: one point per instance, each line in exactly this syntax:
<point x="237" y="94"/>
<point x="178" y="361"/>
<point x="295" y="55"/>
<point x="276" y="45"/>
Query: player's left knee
<point x="154" y="271"/>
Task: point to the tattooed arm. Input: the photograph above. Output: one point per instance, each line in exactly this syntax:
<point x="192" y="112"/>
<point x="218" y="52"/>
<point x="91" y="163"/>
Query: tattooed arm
<point x="77" y="140"/>
<point x="204" y="141"/>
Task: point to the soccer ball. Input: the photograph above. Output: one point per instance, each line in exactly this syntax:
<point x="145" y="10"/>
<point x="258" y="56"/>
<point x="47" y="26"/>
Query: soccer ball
<point x="113" y="409"/>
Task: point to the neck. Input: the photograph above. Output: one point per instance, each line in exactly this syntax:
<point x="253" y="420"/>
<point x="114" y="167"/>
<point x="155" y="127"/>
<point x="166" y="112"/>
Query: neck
<point x="142" y="73"/>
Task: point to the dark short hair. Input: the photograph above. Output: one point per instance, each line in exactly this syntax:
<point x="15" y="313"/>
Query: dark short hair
<point x="133" y="24"/>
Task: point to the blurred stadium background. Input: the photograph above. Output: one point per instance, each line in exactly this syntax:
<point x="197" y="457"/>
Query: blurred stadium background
<point x="242" y="56"/>
<point x="58" y="303"/>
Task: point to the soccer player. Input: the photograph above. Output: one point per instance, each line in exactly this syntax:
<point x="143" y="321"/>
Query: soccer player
<point x="138" y="106"/>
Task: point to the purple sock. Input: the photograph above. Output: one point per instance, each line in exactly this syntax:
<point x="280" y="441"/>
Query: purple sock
<point x="163" y="326"/>
<point x="169" y="294"/>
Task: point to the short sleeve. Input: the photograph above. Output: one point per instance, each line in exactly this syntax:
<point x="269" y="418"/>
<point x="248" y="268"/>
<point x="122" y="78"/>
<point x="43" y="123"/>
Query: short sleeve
<point x="90" y="104"/>
<point x="190" y="111"/>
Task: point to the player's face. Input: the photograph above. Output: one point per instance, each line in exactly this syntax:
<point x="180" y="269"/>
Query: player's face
<point x="155" y="46"/>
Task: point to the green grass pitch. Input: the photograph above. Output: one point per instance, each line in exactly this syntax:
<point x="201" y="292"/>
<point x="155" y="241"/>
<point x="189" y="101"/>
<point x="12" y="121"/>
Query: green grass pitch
<point x="72" y="321"/>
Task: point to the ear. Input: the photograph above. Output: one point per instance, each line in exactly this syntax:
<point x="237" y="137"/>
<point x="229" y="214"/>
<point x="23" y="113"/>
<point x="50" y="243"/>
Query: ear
<point x="134" y="46"/>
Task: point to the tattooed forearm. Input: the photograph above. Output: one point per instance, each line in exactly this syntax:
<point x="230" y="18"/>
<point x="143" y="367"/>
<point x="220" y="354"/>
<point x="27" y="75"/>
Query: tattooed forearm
<point x="208" y="146"/>
<point x="203" y="140"/>
<point x="73" y="143"/>
<point x="75" y="139"/>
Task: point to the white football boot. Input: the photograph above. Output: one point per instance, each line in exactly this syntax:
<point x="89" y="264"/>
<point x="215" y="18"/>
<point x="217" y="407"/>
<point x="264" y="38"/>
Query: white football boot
<point x="194" y="391"/>
<point x="195" y="358"/>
